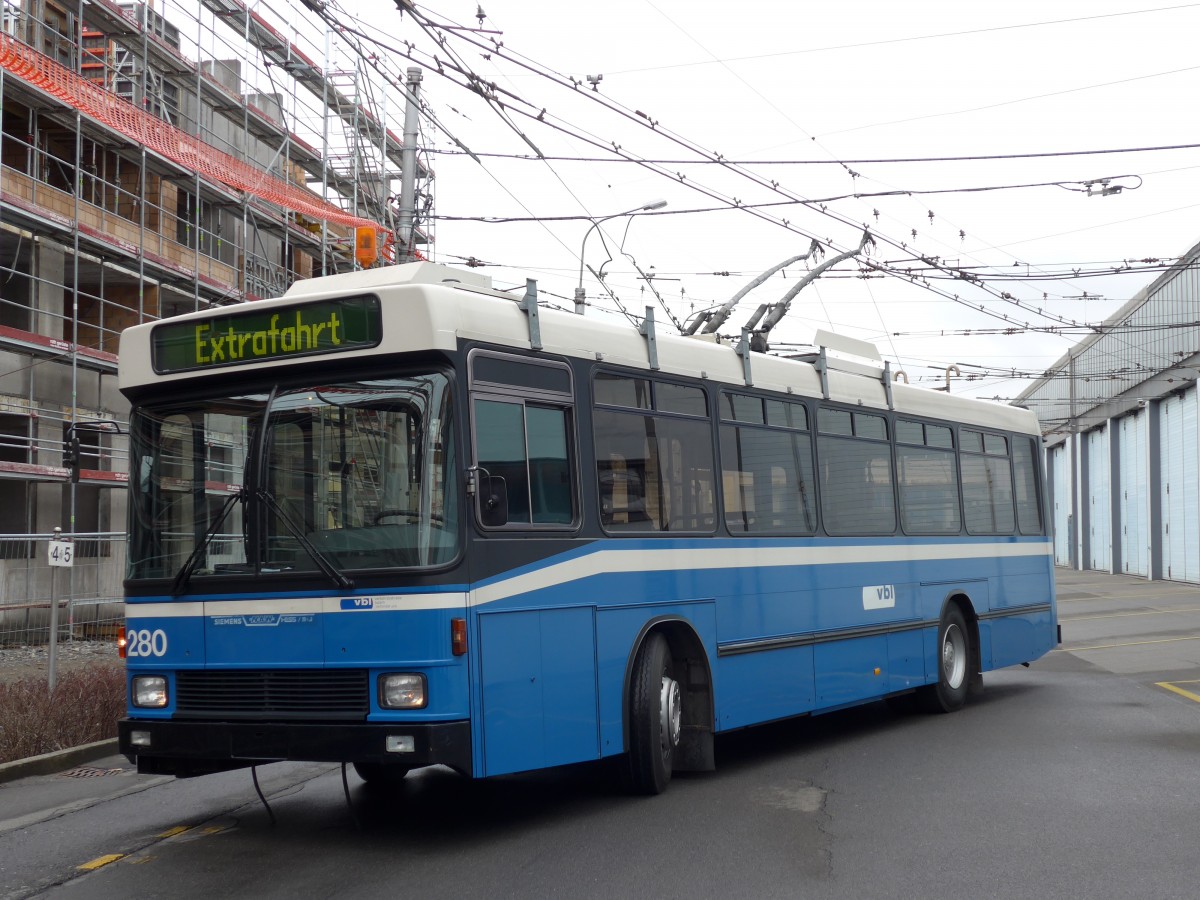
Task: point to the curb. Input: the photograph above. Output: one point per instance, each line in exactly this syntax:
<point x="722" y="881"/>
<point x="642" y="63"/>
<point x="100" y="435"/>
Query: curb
<point x="56" y="761"/>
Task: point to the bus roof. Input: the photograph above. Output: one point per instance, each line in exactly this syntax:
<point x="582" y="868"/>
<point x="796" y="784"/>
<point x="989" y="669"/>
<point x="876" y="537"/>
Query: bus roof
<point x="426" y="306"/>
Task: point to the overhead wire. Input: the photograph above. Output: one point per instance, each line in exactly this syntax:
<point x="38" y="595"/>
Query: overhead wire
<point x="991" y="157"/>
<point x="909" y="39"/>
<point x="634" y="115"/>
<point x="959" y="112"/>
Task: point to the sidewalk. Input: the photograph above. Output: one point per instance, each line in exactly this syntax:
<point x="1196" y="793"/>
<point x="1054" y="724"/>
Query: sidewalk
<point x="57" y="761"/>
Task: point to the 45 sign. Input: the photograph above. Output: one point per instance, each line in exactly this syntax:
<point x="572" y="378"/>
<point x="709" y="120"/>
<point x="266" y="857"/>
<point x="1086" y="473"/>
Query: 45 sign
<point x="62" y="553"/>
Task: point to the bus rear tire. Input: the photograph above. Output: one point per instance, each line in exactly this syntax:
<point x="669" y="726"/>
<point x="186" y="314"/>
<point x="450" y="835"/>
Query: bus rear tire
<point x="381" y="775"/>
<point x="655" y="717"/>
<point x="954" y="665"/>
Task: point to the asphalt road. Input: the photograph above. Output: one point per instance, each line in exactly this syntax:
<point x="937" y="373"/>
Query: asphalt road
<point x="1075" y="777"/>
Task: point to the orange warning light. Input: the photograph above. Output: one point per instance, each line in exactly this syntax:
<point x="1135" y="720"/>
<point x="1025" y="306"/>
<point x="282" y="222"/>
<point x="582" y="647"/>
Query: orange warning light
<point x="366" y="246"/>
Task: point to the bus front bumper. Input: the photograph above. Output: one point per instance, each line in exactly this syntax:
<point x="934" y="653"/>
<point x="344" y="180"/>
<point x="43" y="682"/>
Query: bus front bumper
<point x="199" y="747"/>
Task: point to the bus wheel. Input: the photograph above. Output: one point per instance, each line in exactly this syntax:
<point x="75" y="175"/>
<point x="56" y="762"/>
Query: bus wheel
<point x="655" y="717"/>
<point x="380" y="774"/>
<point x="954" y="663"/>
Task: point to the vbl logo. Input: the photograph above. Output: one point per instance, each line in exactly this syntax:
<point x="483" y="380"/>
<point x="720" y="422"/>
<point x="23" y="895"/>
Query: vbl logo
<point x="879" y="596"/>
<point x="358" y="603"/>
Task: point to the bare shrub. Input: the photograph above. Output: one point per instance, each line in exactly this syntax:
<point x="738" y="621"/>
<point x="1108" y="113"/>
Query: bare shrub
<point x="84" y="707"/>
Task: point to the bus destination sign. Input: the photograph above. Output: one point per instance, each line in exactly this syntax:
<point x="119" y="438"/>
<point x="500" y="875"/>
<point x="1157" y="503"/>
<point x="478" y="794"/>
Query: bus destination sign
<point x="327" y="326"/>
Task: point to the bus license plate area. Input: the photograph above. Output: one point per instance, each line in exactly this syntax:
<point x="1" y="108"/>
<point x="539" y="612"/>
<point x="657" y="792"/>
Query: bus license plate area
<point x="251" y="742"/>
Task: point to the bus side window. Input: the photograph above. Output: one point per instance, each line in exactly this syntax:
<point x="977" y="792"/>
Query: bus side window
<point x="856" y="474"/>
<point x="655" y="473"/>
<point x="527" y="446"/>
<point x="549" y="465"/>
<point x="1025" y="465"/>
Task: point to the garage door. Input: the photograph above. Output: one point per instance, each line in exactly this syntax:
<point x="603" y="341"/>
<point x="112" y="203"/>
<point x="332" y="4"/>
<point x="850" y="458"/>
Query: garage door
<point x="1099" y="501"/>
<point x="1133" y="500"/>
<point x="1178" y="492"/>
<point x="1060" y="473"/>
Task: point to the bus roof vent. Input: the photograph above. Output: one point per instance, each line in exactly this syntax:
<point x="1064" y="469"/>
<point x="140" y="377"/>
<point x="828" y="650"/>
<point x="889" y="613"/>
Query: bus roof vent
<point x="848" y="345"/>
<point x="874" y="367"/>
<point x="392" y="276"/>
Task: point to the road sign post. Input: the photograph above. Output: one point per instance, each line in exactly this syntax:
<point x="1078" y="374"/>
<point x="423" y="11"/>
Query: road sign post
<point x="61" y="554"/>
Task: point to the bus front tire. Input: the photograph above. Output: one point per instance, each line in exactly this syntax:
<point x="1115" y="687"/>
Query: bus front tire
<point x="655" y="717"/>
<point x="380" y="774"/>
<point x="954" y="665"/>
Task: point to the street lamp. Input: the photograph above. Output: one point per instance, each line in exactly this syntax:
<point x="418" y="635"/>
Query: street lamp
<point x="579" y="294"/>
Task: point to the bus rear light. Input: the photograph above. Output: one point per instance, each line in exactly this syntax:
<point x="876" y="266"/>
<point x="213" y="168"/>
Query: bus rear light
<point x="121" y="642"/>
<point x="458" y="636"/>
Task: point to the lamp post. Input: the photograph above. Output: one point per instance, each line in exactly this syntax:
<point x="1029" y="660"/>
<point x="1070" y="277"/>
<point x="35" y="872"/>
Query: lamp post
<point x="579" y="294"/>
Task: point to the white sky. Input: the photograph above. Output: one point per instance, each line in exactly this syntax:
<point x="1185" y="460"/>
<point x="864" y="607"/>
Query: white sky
<point x="760" y="80"/>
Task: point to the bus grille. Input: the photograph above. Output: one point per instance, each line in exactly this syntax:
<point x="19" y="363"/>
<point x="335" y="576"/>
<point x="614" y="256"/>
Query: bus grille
<point x="274" y="694"/>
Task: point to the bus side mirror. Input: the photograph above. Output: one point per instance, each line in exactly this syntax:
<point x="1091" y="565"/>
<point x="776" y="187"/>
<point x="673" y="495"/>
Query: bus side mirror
<point x="493" y="501"/>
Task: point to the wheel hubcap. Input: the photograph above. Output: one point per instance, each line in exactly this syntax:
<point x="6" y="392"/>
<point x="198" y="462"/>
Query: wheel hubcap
<point x="670" y="714"/>
<point x="954" y="656"/>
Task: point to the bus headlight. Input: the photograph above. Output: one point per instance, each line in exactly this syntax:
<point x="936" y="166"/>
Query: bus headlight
<point x="150" y="691"/>
<point x="402" y="691"/>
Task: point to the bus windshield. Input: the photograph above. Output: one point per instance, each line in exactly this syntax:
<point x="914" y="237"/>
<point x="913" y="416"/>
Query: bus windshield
<point x="335" y="477"/>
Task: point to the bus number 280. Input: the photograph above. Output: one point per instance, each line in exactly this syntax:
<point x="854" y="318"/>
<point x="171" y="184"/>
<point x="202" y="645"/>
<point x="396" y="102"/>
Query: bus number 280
<point x="144" y="642"/>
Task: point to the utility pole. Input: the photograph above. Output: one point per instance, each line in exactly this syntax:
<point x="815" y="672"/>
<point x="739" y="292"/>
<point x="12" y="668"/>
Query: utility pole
<point x="408" y="160"/>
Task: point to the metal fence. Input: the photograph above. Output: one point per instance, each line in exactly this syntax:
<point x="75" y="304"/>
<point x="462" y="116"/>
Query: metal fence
<point x="88" y="593"/>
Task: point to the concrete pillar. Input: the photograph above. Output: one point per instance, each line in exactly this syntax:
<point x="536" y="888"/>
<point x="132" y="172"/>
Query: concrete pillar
<point x="49" y="270"/>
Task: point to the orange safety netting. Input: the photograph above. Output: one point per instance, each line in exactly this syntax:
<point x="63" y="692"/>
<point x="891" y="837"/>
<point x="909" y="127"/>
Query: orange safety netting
<point x="163" y="138"/>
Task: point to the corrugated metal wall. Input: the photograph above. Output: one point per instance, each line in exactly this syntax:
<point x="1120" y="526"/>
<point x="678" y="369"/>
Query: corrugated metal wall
<point x="1124" y="405"/>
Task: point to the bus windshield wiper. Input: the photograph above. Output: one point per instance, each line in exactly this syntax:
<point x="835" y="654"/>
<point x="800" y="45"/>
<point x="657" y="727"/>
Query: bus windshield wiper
<point x="193" y="560"/>
<point x="338" y="577"/>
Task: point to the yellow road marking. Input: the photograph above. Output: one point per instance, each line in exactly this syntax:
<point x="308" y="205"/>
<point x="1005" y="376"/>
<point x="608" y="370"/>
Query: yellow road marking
<point x="178" y="829"/>
<point x="214" y="829"/>
<point x="101" y="861"/>
<point x="1166" y="685"/>
<point x="1150" y="612"/>
<point x="1127" y="644"/>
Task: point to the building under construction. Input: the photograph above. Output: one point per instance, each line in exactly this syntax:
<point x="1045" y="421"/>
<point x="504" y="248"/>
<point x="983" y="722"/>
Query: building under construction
<point x="159" y="159"/>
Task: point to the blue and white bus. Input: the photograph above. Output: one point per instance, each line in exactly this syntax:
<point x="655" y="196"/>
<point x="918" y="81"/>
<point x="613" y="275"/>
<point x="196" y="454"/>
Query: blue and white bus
<point x="397" y="518"/>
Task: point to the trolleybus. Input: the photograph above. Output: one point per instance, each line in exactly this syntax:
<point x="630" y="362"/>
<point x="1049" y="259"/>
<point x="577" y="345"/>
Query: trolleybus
<point x="397" y="518"/>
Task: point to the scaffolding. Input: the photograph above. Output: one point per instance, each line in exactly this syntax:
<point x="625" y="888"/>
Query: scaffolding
<point x="157" y="159"/>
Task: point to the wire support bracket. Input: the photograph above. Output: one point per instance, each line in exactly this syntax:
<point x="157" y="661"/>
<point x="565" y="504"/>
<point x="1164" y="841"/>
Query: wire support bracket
<point x="647" y="331"/>
<point x="529" y="305"/>
<point x="743" y="350"/>
<point x="821" y="364"/>
<point x="887" y="382"/>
